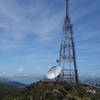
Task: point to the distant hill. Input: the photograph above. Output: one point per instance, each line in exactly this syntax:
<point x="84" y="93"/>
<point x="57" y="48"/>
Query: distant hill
<point x="8" y="90"/>
<point x="90" y="80"/>
<point x="25" y="79"/>
<point x="11" y="83"/>
<point x="3" y="80"/>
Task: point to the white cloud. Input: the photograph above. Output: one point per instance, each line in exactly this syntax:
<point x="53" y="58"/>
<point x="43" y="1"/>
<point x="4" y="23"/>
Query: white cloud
<point x="38" y="68"/>
<point x="20" y="70"/>
<point x="92" y="74"/>
<point x="3" y="74"/>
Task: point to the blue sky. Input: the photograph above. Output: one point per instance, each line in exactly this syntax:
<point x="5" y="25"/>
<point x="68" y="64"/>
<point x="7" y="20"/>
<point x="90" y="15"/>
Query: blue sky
<point x="30" y="33"/>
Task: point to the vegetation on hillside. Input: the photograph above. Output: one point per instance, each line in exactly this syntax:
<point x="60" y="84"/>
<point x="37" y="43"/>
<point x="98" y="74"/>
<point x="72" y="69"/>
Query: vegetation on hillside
<point x="59" y="90"/>
<point x="8" y="91"/>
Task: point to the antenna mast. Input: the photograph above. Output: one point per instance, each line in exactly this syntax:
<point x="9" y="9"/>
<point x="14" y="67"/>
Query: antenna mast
<point x="67" y="57"/>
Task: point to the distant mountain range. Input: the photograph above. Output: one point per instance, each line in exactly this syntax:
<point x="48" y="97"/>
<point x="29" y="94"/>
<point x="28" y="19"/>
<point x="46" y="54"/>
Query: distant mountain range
<point x="24" y="78"/>
<point x="91" y="80"/>
<point x="11" y="83"/>
<point x="17" y="80"/>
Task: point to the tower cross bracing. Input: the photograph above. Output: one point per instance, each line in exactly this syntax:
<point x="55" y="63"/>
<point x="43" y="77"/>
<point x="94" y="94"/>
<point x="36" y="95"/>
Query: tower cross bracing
<point x="67" y="56"/>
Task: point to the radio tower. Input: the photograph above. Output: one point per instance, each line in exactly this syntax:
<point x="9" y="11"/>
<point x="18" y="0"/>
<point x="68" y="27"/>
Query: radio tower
<point x="67" y="57"/>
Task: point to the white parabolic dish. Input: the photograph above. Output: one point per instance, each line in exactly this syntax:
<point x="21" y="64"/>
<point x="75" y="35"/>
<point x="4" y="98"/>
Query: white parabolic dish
<point x="54" y="72"/>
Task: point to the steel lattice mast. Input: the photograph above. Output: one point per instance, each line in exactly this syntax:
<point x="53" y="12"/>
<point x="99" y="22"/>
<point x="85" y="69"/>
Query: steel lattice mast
<point x="67" y="57"/>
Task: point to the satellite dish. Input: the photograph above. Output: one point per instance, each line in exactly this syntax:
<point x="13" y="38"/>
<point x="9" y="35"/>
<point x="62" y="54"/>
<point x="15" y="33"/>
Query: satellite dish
<point x="54" y="72"/>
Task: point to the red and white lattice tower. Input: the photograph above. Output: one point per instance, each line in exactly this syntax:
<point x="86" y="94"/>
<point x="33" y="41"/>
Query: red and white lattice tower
<point x="67" y="57"/>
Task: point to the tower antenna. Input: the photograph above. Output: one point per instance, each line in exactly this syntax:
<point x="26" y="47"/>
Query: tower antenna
<point x="67" y="56"/>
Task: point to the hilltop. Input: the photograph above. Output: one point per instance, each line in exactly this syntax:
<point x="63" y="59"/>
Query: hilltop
<point x="57" y="90"/>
